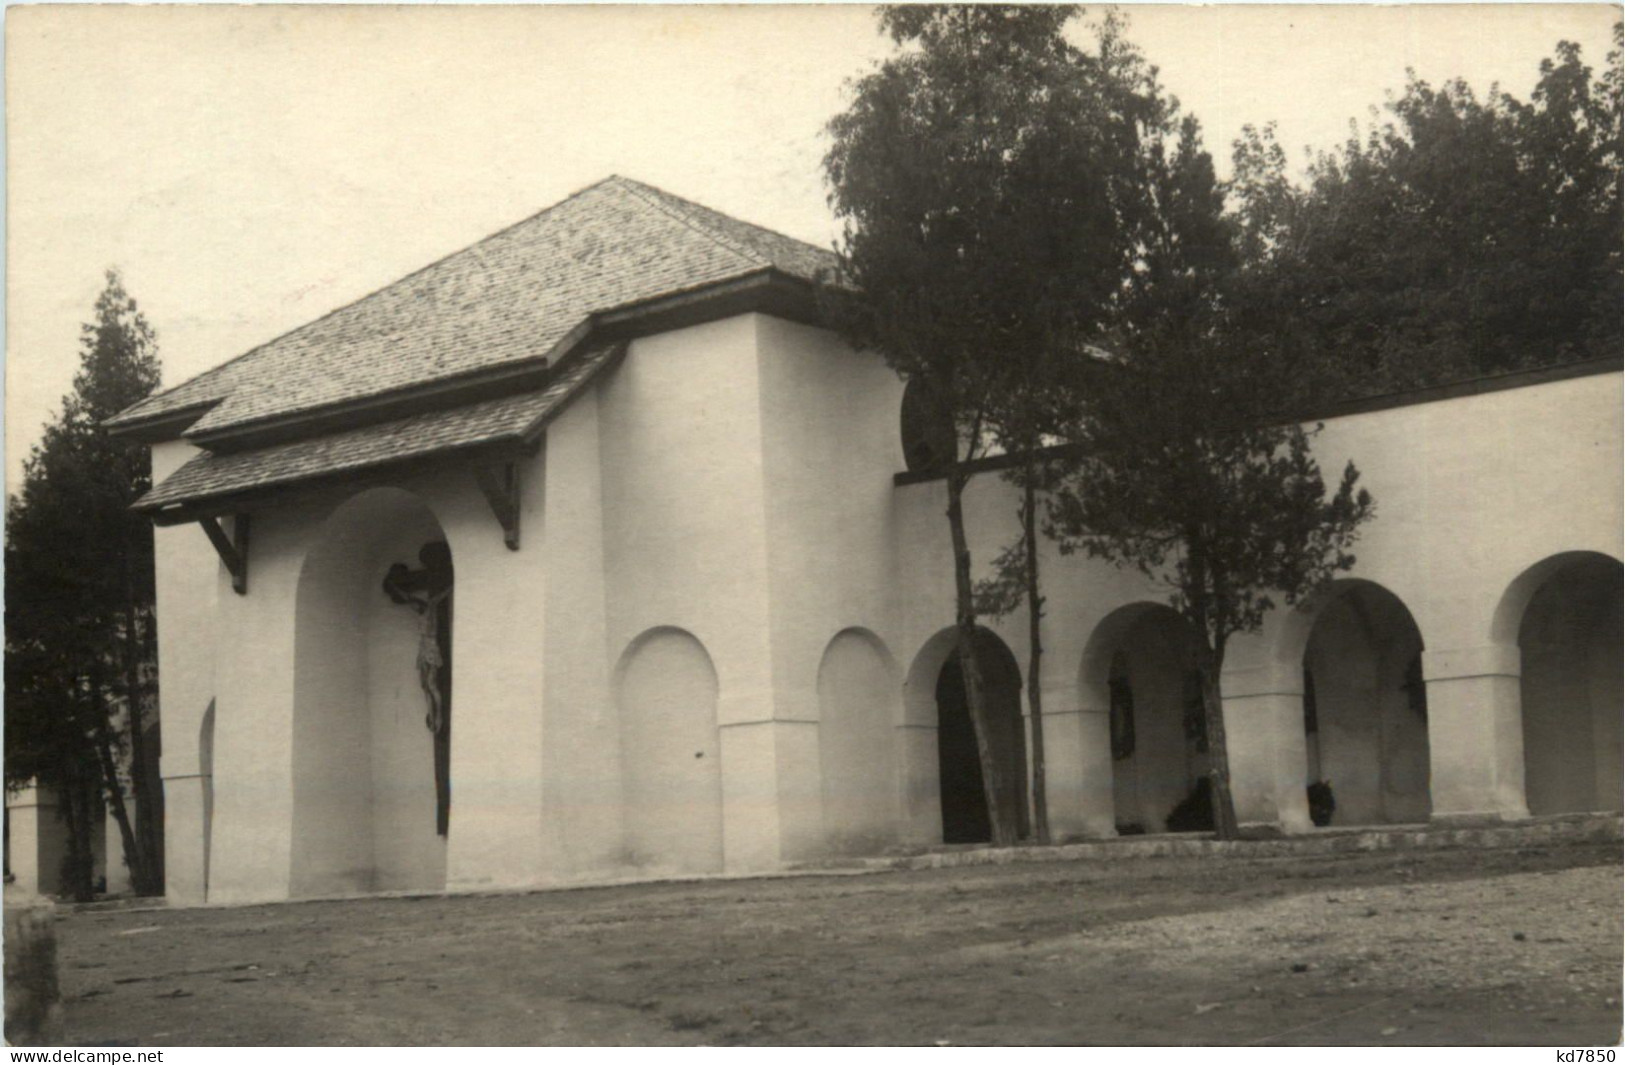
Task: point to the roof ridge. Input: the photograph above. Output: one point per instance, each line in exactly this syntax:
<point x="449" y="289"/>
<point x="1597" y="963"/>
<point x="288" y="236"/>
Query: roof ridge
<point x="120" y="418"/>
<point x="706" y="209"/>
<point x="642" y="192"/>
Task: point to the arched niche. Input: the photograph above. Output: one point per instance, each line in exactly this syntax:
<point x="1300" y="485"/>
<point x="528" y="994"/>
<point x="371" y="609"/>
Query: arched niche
<point x="1564" y="613"/>
<point x="1140" y="663"/>
<point x="859" y="695"/>
<point x="1365" y="707"/>
<point x="666" y="690"/>
<point x="365" y="801"/>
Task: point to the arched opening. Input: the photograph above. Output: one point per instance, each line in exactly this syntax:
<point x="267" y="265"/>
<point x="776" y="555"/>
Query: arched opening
<point x="205" y="762"/>
<point x="1569" y="647"/>
<point x="858" y="711"/>
<point x="373" y="700"/>
<point x="1365" y="710"/>
<point x="666" y="689"/>
<point x="1140" y="664"/>
<point x="959" y="767"/>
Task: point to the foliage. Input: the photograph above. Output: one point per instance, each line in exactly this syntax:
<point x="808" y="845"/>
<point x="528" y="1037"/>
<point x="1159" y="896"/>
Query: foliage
<point x="981" y="174"/>
<point x="1181" y="465"/>
<point x="1225" y="517"/>
<point x="1010" y="200"/>
<point x="80" y="631"/>
<point x="1462" y="236"/>
<point x="1176" y="475"/>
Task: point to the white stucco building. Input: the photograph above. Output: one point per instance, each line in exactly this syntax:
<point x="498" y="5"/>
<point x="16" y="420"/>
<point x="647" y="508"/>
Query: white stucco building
<point x="699" y="610"/>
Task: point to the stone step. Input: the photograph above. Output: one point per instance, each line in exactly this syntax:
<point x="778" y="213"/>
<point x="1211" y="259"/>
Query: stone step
<point x="1559" y="829"/>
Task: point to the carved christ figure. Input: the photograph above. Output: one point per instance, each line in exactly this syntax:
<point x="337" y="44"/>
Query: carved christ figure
<point x="431" y="663"/>
<point x="428" y="593"/>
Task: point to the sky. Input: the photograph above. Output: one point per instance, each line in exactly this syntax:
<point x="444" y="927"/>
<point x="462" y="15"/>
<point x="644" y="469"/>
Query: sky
<point x="250" y="168"/>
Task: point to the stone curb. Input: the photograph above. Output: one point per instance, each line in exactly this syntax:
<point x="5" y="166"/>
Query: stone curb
<point x="1557" y="831"/>
<point x="1590" y="828"/>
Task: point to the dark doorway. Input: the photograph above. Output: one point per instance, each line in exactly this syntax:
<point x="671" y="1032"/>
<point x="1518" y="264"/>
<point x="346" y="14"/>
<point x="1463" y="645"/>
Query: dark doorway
<point x="959" y="766"/>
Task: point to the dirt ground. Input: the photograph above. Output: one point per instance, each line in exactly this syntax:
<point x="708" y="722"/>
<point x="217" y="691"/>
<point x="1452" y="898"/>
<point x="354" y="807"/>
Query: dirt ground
<point x="1514" y="946"/>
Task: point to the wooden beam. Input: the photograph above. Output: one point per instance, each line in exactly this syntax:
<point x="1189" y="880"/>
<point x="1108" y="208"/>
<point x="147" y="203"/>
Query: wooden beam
<point x="501" y="488"/>
<point x="233" y="550"/>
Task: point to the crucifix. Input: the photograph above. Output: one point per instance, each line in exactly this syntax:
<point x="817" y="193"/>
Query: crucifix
<point x="428" y="592"/>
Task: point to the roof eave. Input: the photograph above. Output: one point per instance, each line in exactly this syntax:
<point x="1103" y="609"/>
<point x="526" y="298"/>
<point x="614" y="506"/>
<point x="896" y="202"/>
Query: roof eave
<point x="209" y="506"/>
<point x="526" y="440"/>
<point x="157" y="428"/>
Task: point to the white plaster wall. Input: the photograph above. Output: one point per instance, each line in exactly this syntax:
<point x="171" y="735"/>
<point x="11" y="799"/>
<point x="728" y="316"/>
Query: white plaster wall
<point x="252" y="840"/>
<point x="496" y="735"/>
<point x="580" y="777"/>
<point x="858" y="691"/>
<point x="733" y="480"/>
<point x="333" y="827"/>
<point x="363" y="773"/>
<point x="830" y="446"/>
<point x="37" y="840"/>
<point x="673" y="785"/>
<point x="684" y="541"/>
<point x="918" y="752"/>
<point x="1470" y="493"/>
<point x="497" y="681"/>
<point x="187" y="577"/>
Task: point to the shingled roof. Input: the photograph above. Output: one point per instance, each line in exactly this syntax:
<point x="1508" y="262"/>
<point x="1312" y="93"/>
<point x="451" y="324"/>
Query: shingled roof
<point x="510" y="420"/>
<point x="517" y="295"/>
<point x="346" y="393"/>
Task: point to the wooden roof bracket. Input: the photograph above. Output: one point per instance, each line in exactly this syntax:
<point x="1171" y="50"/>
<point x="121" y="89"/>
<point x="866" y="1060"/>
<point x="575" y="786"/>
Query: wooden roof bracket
<point x="500" y="485"/>
<point x="233" y="550"/>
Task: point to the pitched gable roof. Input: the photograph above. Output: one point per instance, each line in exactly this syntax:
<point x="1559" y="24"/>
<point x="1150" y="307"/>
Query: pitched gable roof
<point x="513" y="297"/>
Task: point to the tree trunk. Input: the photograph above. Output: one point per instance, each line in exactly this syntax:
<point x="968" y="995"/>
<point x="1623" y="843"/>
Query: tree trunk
<point x="78" y="811"/>
<point x="1224" y="806"/>
<point x="1035" y="656"/>
<point x="1001" y="821"/>
<point x="101" y="740"/>
<point x="150" y="880"/>
<point x="133" y="856"/>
